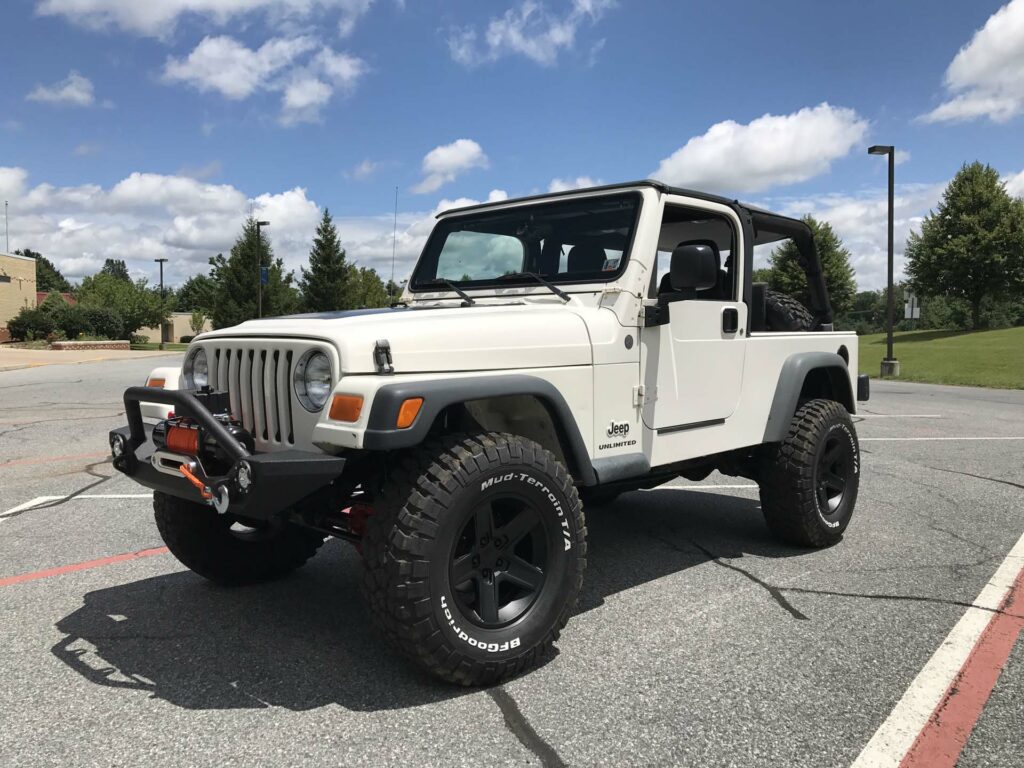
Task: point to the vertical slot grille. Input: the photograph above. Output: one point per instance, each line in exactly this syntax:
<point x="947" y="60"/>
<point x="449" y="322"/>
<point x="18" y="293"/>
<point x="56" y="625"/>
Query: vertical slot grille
<point x="257" y="379"/>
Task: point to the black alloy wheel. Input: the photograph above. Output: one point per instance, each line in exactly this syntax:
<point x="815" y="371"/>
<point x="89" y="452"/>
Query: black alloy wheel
<point x="835" y="466"/>
<point x="499" y="561"/>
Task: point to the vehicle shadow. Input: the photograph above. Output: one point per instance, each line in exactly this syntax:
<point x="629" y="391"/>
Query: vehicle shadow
<point x="307" y="640"/>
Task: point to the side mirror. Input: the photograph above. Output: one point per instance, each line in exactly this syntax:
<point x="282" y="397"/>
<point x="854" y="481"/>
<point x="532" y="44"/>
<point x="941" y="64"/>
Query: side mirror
<point x="694" y="266"/>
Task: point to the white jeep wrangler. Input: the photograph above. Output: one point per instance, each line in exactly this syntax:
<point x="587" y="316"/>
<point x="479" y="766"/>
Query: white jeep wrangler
<point x="546" y="349"/>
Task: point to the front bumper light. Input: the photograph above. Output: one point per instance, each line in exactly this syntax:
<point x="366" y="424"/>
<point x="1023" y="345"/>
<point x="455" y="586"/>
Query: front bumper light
<point x="313" y="380"/>
<point x="196" y="370"/>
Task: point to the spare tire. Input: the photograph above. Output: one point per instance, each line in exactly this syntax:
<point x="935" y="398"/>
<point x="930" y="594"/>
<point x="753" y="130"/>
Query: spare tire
<point x="784" y="313"/>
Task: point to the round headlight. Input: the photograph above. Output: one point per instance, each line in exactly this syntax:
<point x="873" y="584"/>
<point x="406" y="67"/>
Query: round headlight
<point x="313" y="380"/>
<point x="197" y="370"/>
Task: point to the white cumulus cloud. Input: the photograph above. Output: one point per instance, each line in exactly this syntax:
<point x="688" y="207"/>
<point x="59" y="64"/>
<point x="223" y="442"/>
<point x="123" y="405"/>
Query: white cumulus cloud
<point x="564" y="185"/>
<point x="442" y="164"/>
<point x="158" y="18"/>
<point x="529" y="29"/>
<point x="772" y="150"/>
<point x="306" y="82"/>
<point x="75" y="90"/>
<point x="986" y="77"/>
<point x="1015" y="184"/>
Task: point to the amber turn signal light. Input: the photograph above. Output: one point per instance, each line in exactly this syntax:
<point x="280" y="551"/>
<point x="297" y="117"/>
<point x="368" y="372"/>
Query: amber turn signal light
<point x="408" y="412"/>
<point x="346" y="407"/>
<point x="158" y="383"/>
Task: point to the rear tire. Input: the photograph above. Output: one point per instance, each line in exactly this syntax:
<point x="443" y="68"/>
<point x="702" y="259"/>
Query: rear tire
<point x="475" y="555"/>
<point x="784" y="313"/>
<point x="809" y="481"/>
<point x="206" y="543"/>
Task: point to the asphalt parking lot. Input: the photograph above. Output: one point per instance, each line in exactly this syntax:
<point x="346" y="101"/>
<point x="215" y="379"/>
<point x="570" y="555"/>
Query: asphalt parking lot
<point x="698" y="639"/>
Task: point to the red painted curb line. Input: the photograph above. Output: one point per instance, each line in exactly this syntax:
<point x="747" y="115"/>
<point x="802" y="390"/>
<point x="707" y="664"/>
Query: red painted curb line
<point x="81" y="566"/>
<point x="943" y="739"/>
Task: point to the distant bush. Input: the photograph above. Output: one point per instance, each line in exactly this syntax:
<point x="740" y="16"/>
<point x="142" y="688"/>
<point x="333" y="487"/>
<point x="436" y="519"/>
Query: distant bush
<point x="136" y="338"/>
<point x="31" y="324"/>
<point x="57" y="320"/>
<point x="187" y="339"/>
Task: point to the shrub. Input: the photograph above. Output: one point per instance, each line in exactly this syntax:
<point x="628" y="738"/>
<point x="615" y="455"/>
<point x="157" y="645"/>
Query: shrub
<point x="105" y="323"/>
<point x="187" y="339"/>
<point x="31" y="324"/>
<point x="136" y="338"/>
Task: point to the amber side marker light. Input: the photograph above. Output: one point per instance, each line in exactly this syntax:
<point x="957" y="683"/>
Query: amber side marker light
<point x="408" y="412"/>
<point x="158" y="383"/>
<point x="346" y="408"/>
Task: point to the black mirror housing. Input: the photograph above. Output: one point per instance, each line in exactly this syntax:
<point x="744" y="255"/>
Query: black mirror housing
<point x="694" y="265"/>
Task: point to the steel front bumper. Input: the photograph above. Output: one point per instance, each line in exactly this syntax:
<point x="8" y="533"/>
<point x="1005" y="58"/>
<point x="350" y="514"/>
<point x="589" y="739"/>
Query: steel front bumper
<point x="258" y="486"/>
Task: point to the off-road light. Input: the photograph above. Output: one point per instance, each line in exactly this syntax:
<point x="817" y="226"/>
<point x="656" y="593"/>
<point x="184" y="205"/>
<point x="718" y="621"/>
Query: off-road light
<point x="346" y="408"/>
<point x="196" y="369"/>
<point x="244" y="477"/>
<point x="408" y="412"/>
<point x="312" y="379"/>
<point x="118" y="446"/>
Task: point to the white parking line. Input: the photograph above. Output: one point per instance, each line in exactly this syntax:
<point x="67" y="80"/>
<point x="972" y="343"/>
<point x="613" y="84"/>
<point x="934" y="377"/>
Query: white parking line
<point x="916" y="439"/>
<point x="698" y="487"/>
<point x="896" y="735"/>
<point x="899" y="415"/>
<point x="39" y="500"/>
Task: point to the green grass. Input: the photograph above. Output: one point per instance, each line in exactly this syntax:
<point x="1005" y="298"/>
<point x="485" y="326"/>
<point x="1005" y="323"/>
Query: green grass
<point x="169" y="346"/>
<point x="968" y="358"/>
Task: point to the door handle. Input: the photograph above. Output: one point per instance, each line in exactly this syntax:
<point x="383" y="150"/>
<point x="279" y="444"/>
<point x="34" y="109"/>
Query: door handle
<point x="730" y="320"/>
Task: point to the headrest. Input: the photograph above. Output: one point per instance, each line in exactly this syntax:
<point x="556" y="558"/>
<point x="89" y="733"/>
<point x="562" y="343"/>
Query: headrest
<point x="586" y="257"/>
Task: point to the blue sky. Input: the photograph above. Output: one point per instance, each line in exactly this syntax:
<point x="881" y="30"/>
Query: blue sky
<point x="137" y="130"/>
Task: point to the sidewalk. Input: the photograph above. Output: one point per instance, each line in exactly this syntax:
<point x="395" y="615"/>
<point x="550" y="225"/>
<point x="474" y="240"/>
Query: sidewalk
<point x="12" y="359"/>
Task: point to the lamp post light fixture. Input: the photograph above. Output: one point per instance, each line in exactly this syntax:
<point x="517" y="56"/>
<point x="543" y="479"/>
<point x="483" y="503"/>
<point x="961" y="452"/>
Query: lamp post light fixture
<point x="259" y="267"/>
<point x="890" y="365"/>
<point x="161" y="262"/>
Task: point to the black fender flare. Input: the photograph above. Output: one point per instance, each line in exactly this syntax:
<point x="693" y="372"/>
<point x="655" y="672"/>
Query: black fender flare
<point x="438" y="394"/>
<point x="791" y="380"/>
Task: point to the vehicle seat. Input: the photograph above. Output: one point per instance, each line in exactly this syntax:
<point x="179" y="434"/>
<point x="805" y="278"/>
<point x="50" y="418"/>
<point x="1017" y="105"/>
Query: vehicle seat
<point x="586" y="257"/>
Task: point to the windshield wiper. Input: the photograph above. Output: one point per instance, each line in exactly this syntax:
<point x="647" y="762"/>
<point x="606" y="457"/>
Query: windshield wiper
<point x="534" y="276"/>
<point x="467" y="300"/>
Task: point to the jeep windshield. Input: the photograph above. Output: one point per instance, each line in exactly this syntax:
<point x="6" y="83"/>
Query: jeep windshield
<point x="571" y="241"/>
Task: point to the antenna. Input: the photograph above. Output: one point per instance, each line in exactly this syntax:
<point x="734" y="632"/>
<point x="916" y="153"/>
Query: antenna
<point x="394" y="243"/>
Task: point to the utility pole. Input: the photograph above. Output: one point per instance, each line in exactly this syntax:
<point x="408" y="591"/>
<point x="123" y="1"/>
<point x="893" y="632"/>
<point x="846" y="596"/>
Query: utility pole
<point x="259" y="267"/>
<point x="163" y="296"/>
<point x="394" y="242"/>
<point x="890" y="365"/>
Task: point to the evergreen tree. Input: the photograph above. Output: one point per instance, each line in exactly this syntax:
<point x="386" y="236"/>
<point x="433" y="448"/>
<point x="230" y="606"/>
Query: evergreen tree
<point x="198" y="292"/>
<point x="48" y="277"/>
<point x="368" y="290"/>
<point x="327" y="285"/>
<point x="116" y="268"/>
<point x="238" y="282"/>
<point x="972" y="247"/>
<point x="788" y="277"/>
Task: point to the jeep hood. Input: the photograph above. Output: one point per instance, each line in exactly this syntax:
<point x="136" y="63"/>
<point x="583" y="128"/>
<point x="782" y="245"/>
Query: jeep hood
<point x="429" y="339"/>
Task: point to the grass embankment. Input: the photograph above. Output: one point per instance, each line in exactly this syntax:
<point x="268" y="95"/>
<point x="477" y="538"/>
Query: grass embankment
<point x="968" y="358"/>
<point x="169" y="346"/>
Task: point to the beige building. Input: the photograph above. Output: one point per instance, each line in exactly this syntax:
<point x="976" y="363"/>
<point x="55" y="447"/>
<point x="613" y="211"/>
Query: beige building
<point x="17" y="288"/>
<point x="178" y="325"/>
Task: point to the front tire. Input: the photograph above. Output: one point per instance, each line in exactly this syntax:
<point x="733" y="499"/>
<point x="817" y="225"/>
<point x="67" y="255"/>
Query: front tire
<point x="213" y="547"/>
<point x="475" y="556"/>
<point x="809" y="481"/>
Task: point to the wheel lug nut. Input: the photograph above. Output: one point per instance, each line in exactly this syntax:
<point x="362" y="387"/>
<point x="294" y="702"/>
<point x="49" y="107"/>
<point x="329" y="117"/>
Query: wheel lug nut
<point x="483" y="541"/>
<point x="476" y="562"/>
<point x="500" y="563"/>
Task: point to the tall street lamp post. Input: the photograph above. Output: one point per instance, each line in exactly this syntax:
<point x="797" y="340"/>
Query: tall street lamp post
<point x="890" y="365"/>
<point x="161" y="262"/>
<point x="259" y="267"/>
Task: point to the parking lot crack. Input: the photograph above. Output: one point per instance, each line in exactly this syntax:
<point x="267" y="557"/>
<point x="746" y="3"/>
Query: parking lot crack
<point x="905" y="598"/>
<point x="520" y="727"/>
<point x="772" y="590"/>
<point x="979" y="477"/>
<point x="89" y="469"/>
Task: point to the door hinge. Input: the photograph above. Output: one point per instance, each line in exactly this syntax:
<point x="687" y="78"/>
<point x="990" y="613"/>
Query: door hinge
<point x="641" y="395"/>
